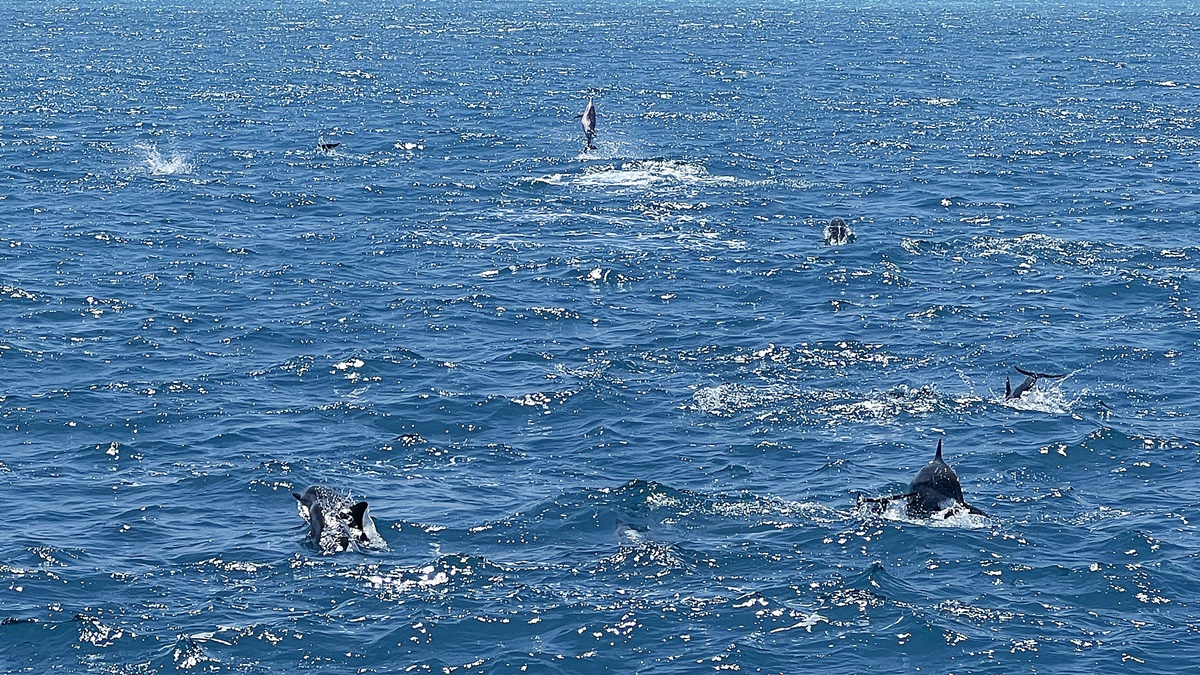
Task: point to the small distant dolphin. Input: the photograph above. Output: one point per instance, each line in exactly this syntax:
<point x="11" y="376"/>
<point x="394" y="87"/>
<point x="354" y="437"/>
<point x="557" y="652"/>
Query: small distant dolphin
<point x="588" y="120"/>
<point x="837" y="233"/>
<point x="335" y="523"/>
<point x="1030" y="380"/>
<point x="934" y="489"/>
<point x="327" y="147"/>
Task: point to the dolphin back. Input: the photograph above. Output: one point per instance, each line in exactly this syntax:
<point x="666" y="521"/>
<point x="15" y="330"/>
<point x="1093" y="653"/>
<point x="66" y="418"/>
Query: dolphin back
<point x="934" y="486"/>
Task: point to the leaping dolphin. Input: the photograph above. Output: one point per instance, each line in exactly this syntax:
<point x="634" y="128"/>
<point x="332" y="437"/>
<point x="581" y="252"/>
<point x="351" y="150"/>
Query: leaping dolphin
<point x="588" y="119"/>
<point x="1031" y="379"/>
<point x="335" y="523"/>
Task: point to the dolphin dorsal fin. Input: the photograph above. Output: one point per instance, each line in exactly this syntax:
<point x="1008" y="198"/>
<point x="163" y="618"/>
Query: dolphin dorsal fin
<point x="359" y="511"/>
<point x="1007" y="388"/>
<point x="938" y="457"/>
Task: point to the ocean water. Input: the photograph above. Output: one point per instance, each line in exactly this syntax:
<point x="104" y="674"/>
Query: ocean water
<point x="612" y="410"/>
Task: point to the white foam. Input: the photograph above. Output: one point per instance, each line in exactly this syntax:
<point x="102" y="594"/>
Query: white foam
<point x="1043" y="398"/>
<point x="729" y="398"/>
<point x="608" y="150"/>
<point x="551" y="179"/>
<point x="349" y="363"/>
<point x="649" y="173"/>
<point x="807" y="623"/>
<point x="954" y="516"/>
<point x="158" y="165"/>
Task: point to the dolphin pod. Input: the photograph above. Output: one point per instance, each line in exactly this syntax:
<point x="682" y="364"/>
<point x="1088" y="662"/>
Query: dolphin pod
<point x="336" y="523"/>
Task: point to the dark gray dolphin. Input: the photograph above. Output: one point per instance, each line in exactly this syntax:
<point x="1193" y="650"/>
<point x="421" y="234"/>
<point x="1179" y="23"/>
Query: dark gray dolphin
<point x="335" y="523"/>
<point x="935" y="488"/>
<point x="588" y="119"/>
<point x="1031" y="379"/>
<point x="837" y="233"/>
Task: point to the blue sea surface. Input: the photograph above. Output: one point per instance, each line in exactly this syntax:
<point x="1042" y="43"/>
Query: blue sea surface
<point x="612" y="410"/>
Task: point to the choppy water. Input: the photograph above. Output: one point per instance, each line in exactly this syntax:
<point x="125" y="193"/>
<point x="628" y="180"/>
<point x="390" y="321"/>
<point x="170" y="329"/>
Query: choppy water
<point x="611" y="410"/>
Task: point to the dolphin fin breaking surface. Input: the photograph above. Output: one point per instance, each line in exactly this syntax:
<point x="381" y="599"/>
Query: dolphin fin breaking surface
<point x="335" y="523"/>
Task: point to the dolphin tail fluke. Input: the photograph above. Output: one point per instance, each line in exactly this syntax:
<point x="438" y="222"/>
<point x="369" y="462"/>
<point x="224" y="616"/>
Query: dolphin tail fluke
<point x="1028" y="373"/>
<point x="937" y="457"/>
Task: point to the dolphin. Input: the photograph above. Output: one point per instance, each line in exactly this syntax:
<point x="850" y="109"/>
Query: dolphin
<point x="936" y="487"/>
<point x="837" y="233"/>
<point x="1031" y="379"/>
<point x="335" y="523"/>
<point x="327" y="147"/>
<point x="588" y="119"/>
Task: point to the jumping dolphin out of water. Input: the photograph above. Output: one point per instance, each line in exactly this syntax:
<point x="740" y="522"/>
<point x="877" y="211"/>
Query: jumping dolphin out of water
<point x="588" y="119"/>
<point x="934" y="489"/>
<point x="1030" y="380"/>
<point x="837" y="233"/>
<point x="335" y="522"/>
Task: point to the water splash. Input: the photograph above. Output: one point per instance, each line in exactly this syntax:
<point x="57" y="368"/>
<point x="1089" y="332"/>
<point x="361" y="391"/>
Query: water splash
<point x="650" y="173"/>
<point x="951" y="517"/>
<point x="1051" y="401"/>
<point x="158" y="164"/>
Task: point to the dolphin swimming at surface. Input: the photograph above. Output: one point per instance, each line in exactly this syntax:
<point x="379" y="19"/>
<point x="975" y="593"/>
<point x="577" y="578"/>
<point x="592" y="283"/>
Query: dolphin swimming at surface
<point x="335" y="523"/>
<point x="325" y="146"/>
<point x="588" y="119"/>
<point x="934" y="489"/>
<point x="837" y="233"/>
<point x="1031" y="379"/>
